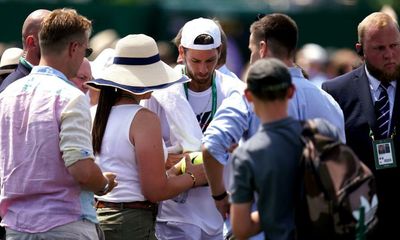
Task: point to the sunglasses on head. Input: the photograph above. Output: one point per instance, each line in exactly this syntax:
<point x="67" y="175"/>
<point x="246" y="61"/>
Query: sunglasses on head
<point x="88" y="52"/>
<point x="259" y="16"/>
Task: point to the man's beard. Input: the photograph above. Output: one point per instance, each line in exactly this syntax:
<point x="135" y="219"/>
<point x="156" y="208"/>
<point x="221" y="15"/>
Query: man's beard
<point x="202" y="80"/>
<point x="383" y="76"/>
<point x="197" y="80"/>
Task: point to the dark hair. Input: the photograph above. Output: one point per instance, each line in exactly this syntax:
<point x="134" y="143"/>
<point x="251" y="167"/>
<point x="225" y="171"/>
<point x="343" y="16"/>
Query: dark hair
<point x="203" y="39"/>
<point x="107" y="99"/>
<point x="269" y="79"/>
<point x="280" y="31"/>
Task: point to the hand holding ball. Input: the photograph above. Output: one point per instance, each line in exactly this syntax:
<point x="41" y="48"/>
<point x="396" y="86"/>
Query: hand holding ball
<point x="196" y="158"/>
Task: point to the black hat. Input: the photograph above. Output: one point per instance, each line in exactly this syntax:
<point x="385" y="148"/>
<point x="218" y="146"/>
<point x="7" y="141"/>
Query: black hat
<point x="268" y="74"/>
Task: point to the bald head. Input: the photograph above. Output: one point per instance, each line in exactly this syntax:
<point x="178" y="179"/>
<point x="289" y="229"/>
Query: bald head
<point x="376" y="20"/>
<point x="32" y="24"/>
<point x="30" y="35"/>
<point x="84" y="74"/>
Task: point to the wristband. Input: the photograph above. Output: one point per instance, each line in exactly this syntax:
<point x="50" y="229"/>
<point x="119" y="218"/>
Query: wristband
<point x="193" y="178"/>
<point x="219" y="197"/>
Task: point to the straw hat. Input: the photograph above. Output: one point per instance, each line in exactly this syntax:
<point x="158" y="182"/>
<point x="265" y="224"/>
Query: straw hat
<point x="137" y="67"/>
<point x="102" y="61"/>
<point x="9" y="60"/>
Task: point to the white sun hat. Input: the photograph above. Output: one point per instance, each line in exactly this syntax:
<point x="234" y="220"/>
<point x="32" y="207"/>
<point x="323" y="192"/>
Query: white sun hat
<point x="102" y="61"/>
<point x="137" y="67"/>
<point x="196" y="27"/>
<point x="9" y="60"/>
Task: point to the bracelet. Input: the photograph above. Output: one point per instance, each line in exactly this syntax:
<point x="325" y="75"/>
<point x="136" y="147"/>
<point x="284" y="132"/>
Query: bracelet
<point x="193" y="178"/>
<point x="220" y="197"/>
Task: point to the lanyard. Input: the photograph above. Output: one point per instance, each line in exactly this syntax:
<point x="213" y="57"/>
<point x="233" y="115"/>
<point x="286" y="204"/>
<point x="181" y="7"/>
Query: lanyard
<point x="371" y="134"/>
<point x="213" y="93"/>
<point x="24" y="62"/>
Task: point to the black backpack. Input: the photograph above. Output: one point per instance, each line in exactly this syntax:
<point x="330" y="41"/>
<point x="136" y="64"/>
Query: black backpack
<point x="338" y="197"/>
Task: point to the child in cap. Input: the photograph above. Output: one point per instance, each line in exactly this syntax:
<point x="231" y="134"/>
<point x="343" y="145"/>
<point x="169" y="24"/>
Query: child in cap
<point x="268" y="163"/>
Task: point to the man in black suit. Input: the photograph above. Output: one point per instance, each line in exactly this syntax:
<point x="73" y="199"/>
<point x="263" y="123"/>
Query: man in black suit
<point x="30" y="43"/>
<point x="370" y="101"/>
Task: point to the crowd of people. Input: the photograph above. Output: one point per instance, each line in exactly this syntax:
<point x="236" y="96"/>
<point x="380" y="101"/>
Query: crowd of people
<point x="99" y="149"/>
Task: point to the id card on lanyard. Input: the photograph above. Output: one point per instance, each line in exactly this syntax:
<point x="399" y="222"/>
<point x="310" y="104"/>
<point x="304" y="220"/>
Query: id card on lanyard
<point x="384" y="153"/>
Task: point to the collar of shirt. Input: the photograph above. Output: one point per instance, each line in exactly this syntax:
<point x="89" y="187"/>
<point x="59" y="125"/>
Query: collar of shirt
<point x="46" y="70"/>
<point x="374" y="83"/>
<point x="295" y="72"/>
<point x="375" y="91"/>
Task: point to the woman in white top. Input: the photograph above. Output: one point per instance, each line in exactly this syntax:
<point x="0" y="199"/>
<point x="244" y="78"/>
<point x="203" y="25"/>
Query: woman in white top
<point x="127" y="140"/>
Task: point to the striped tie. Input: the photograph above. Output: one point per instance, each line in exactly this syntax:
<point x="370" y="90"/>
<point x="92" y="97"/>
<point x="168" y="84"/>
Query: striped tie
<point x="382" y="112"/>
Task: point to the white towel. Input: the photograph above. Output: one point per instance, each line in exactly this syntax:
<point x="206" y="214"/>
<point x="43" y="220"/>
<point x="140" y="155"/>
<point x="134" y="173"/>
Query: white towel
<point x="185" y="132"/>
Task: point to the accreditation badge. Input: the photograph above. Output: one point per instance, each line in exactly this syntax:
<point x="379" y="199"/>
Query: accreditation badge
<point x="384" y="153"/>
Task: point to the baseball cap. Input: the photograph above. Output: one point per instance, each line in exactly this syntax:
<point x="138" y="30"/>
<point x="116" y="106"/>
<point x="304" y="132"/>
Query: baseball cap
<point x="268" y="75"/>
<point x="192" y="29"/>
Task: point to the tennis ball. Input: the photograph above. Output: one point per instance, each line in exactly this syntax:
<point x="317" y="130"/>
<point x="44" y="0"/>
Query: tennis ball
<point x="196" y="157"/>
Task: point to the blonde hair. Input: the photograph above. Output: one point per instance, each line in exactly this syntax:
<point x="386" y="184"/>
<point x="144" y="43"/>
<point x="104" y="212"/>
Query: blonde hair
<point x="378" y="20"/>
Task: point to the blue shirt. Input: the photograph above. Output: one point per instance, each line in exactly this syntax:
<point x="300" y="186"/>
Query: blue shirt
<point x="310" y="102"/>
<point x="235" y="118"/>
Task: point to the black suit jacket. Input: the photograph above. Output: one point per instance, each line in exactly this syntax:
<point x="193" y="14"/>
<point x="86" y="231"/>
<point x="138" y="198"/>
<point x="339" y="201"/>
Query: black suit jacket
<point x="353" y="94"/>
<point x="20" y="72"/>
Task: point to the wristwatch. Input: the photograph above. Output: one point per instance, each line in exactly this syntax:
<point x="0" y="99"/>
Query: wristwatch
<point x="106" y="188"/>
<point x="219" y="197"/>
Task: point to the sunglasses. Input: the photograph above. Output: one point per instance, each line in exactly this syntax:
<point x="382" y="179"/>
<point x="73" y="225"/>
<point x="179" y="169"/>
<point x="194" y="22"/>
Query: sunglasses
<point x="88" y="52"/>
<point x="259" y="16"/>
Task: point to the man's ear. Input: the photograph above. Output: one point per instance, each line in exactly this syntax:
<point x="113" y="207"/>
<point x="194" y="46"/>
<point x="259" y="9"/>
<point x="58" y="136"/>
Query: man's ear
<point x="290" y="92"/>
<point x="72" y="48"/>
<point x="263" y="49"/>
<point x="179" y="59"/>
<point x="30" y="42"/>
<point x="248" y="95"/>
<point x="181" y="53"/>
<point x="359" y="49"/>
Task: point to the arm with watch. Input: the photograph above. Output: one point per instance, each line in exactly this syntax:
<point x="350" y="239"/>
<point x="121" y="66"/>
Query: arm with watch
<point x="89" y="176"/>
<point x="214" y="173"/>
<point x="233" y="121"/>
<point x="111" y="183"/>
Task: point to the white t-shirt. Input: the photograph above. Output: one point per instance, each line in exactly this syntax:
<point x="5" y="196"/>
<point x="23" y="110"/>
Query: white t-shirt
<point x="196" y="206"/>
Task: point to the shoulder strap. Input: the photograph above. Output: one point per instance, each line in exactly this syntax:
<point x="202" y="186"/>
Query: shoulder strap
<point x="309" y="128"/>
